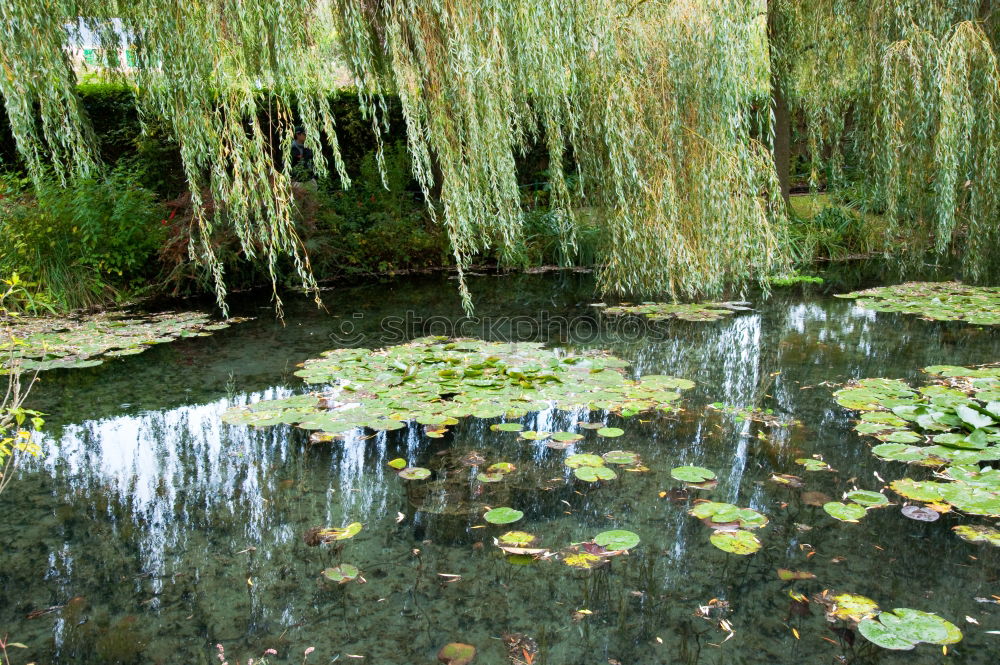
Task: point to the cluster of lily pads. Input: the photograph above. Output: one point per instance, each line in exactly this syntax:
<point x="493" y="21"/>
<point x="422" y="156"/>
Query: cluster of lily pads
<point x="592" y="468"/>
<point x="344" y="572"/>
<point x="37" y="344"/>
<point x="899" y="629"/>
<point x="434" y="381"/>
<point x="856" y="505"/>
<point x="942" y="301"/>
<point x="731" y="526"/>
<point x="585" y="556"/>
<point x="655" y="311"/>
<point x="952" y="425"/>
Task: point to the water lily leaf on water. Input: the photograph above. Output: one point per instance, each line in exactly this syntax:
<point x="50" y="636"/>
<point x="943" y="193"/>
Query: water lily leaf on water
<point x="845" y="512"/>
<point x="813" y="464"/>
<point x="978" y="534"/>
<point x="620" y="457"/>
<point x="518" y="539"/>
<point x="491" y="477"/>
<point x="456" y="653"/>
<point x="849" y="606"/>
<point x="868" y="499"/>
<point x="789" y="575"/>
<point x="79" y="341"/>
<point x="331" y="534"/>
<point x="399" y="463"/>
<point x="566" y="437"/>
<point x="726" y="513"/>
<point x="501" y="467"/>
<point x="787" y="480"/>
<point x="507" y="427"/>
<point x="583" y="459"/>
<point x="903" y="629"/>
<point x="617" y="540"/>
<point x="342" y="574"/>
<point x="535" y="436"/>
<point x="436" y="381"/>
<point x="941" y="301"/>
<point x="692" y="474"/>
<point x="736" y="542"/>
<point x="684" y="311"/>
<point x="610" y="432"/>
<point x="592" y="474"/>
<point x="502" y="515"/>
<point x="582" y="424"/>
<point x="920" y="513"/>
<point x="415" y="473"/>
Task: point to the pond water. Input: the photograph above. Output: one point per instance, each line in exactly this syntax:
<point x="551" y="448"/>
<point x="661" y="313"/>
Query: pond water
<point x="152" y="532"/>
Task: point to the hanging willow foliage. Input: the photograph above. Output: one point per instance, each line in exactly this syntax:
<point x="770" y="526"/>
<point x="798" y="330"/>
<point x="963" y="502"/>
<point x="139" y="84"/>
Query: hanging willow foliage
<point x="918" y="83"/>
<point x="644" y="108"/>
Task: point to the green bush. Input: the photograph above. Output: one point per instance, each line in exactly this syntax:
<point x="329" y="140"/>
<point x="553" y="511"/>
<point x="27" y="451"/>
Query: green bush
<point x="84" y="243"/>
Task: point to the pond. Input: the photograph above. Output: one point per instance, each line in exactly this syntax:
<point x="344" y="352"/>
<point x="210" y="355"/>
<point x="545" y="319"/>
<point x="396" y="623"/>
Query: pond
<point x="151" y="531"/>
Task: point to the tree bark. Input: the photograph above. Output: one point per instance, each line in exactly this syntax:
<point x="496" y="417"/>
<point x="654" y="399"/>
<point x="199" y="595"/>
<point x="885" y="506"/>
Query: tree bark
<point x="781" y="147"/>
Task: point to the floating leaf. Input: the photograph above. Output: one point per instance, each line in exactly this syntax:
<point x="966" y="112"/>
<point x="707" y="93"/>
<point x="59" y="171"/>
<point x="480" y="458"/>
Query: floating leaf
<point x="610" y="432"/>
<point x="507" y="427"/>
<point x="494" y="477"/>
<point x="812" y="464"/>
<point x="978" y="534"/>
<point x="736" y="542"/>
<point x="502" y="515"/>
<point x="415" y="473"/>
<point x="592" y="474"/>
<point x="920" y="513"/>
<point x="787" y="480"/>
<point x="620" y="457"/>
<point x="583" y="459"/>
<point x="726" y="513"/>
<point x="501" y="467"/>
<point x="852" y="607"/>
<point x="845" y="512"/>
<point x="566" y="437"/>
<point x="518" y="539"/>
<point x="341" y="574"/>
<point x="943" y="301"/>
<point x="399" y="463"/>
<point x="692" y="474"/>
<point x="617" y="540"/>
<point x="535" y="436"/>
<point x="584" y="560"/>
<point x="684" y="311"/>
<point x="868" y="499"/>
<point x="903" y="629"/>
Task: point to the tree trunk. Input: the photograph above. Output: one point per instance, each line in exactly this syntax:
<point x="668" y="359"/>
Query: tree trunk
<point x="779" y="106"/>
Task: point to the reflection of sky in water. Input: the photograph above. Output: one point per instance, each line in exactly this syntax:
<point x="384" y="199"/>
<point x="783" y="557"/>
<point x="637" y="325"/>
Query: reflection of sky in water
<point x="170" y="502"/>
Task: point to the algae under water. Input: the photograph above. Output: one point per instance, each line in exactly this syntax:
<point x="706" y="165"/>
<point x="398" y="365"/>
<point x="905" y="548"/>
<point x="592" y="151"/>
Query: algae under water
<point x="151" y="531"/>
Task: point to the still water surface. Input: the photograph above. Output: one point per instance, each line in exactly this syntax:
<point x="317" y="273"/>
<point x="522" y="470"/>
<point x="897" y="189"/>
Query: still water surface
<point x="152" y="532"/>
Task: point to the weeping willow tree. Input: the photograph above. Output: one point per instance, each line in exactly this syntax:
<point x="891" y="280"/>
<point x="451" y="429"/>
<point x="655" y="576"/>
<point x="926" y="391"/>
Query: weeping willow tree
<point x="911" y="88"/>
<point x="644" y="107"/>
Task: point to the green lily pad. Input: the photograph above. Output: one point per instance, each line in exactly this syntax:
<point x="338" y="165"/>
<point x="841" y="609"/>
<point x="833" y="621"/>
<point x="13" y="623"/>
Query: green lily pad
<point x="399" y="463"/>
<point x="726" y="513"/>
<point x="415" y="473"/>
<point x="491" y="477"/>
<point x="435" y="381"/>
<point x="617" y="540"/>
<point x="978" y="534"/>
<point x="610" y="432"/>
<point x="942" y="301"/>
<point x="687" y="312"/>
<point x="868" y="499"/>
<point x="620" y="457"/>
<point x="535" y="436"/>
<point x="501" y="467"/>
<point x="342" y="574"/>
<point x="692" y="474"/>
<point x="852" y="607"/>
<point x="845" y="512"/>
<point x="584" y="560"/>
<point x="592" y="474"/>
<point x="583" y="459"/>
<point x="507" y="427"/>
<point x="812" y="464"/>
<point x="736" y="542"/>
<point x="566" y="437"/>
<point x="903" y="629"/>
<point x="502" y="515"/>
<point x="343" y="533"/>
<point x="518" y="539"/>
<point x="456" y="653"/>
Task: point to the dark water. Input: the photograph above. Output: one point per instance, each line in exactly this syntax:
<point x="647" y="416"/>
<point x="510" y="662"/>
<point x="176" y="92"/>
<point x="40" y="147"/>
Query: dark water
<point x="156" y="532"/>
